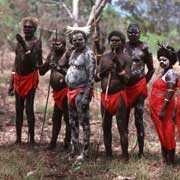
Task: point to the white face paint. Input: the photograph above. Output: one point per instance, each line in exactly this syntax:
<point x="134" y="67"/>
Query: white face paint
<point x="164" y="62"/>
<point x="78" y="40"/>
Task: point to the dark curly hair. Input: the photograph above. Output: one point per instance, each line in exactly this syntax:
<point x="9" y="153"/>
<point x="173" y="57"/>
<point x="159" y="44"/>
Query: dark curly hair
<point x="119" y="34"/>
<point x="133" y="27"/>
<point x="32" y="20"/>
<point x="168" y="52"/>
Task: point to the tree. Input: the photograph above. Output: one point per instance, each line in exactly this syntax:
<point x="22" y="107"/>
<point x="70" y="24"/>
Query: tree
<point x="52" y="14"/>
<point x="157" y="16"/>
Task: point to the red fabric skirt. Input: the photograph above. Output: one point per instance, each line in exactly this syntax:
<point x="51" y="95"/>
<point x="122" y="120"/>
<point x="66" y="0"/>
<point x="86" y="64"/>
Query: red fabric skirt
<point x="112" y="101"/>
<point x="23" y="84"/>
<point x="135" y="90"/>
<point x="178" y="115"/>
<point x="166" y="127"/>
<point x="71" y="94"/>
<point x="59" y="96"/>
<point x="178" y="109"/>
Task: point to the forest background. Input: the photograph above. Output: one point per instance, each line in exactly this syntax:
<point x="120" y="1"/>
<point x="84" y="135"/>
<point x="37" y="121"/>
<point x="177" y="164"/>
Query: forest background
<point x="159" y="21"/>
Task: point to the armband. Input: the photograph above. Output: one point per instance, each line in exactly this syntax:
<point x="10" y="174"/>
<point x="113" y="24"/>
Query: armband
<point x="58" y="68"/>
<point x="171" y="82"/>
<point x="28" y="52"/>
<point x="167" y="100"/>
<point x="98" y="76"/>
<point x="171" y="90"/>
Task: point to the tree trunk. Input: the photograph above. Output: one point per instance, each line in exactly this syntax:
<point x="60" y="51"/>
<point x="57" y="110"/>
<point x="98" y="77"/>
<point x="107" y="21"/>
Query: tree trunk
<point x="75" y="11"/>
<point x="96" y="11"/>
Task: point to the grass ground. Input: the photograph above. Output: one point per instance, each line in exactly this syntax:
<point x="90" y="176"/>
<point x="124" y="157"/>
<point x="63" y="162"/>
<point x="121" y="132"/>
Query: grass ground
<point x="27" y="163"/>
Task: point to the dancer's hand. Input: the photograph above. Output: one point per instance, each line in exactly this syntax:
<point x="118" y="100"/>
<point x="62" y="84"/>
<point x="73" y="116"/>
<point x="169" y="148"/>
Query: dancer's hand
<point x="84" y="103"/>
<point x="21" y="41"/>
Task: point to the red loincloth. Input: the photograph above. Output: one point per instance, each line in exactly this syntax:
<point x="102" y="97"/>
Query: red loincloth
<point x="23" y="84"/>
<point x="59" y="96"/>
<point x="166" y="127"/>
<point x="72" y="94"/>
<point x="135" y="90"/>
<point x="178" y="110"/>
<point x="112" y="101"/>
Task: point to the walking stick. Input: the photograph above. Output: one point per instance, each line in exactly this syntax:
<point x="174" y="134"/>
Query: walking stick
<point x="103" y="116"/>
<point x="45" y="110"/>
<point x="104" y="112"/>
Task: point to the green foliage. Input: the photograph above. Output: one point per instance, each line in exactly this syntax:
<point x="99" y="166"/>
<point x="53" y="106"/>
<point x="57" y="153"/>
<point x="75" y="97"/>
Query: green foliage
<point x="155" y="16"/>
<point x="112" y="20"/>
<point x="157" y="22"/>
<point x="151" y="39"/>
<point x="9" y="24"/>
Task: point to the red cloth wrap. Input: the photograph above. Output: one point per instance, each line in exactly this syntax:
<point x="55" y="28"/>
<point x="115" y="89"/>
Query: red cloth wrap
<point x="23" y="84"/>
<point x="166" y="127"/>
<point x="178" y="115"/>
<point x="58" y="97"/>
<point x="178" y="109"/>
<point x="135" y="90"/>
<point x="71" y="94"/>
<point x="112" y="101"/>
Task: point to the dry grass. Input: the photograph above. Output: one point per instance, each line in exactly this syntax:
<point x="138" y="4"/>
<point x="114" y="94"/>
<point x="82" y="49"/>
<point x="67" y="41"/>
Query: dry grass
<point x="24" y="163"/>
<point x="27" y="163"/>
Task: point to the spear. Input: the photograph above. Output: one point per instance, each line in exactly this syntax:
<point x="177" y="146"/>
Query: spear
<point x="104" y="111"/>
<point x="47" y="99"/>
<point x="103" y="116"/>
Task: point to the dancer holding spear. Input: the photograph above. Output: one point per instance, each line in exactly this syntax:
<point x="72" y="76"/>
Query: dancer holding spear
<point x="114" y="73"/>
<point x="55" y="61"/>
